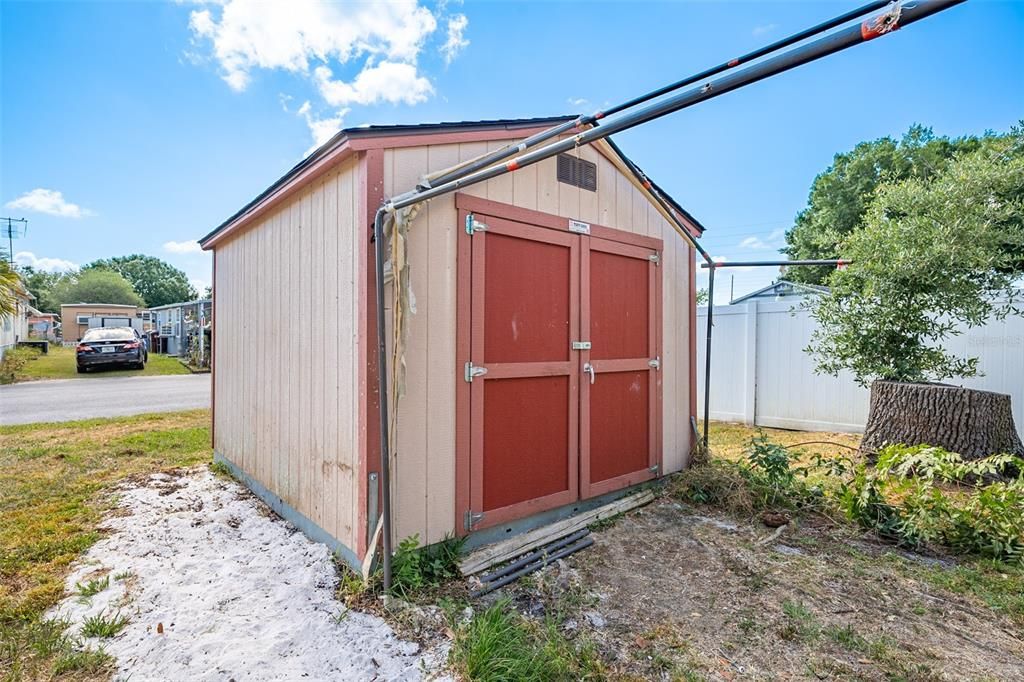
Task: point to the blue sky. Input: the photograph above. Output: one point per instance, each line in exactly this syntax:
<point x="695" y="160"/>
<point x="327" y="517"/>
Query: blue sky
<point x="155" y="121"/>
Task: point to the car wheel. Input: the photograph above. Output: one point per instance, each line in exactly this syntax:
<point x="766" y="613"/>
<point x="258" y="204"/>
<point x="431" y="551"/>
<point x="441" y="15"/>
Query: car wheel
<point x="81" y="370"/>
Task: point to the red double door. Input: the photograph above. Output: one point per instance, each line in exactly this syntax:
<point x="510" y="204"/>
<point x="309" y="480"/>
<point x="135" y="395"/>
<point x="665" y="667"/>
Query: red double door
<point x="564" y="376"/>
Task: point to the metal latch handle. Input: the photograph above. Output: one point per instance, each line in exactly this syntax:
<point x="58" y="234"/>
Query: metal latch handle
<point x="589" y="369"/>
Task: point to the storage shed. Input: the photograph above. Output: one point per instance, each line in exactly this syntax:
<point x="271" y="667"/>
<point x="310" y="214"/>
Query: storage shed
<point x="550" y="351"/>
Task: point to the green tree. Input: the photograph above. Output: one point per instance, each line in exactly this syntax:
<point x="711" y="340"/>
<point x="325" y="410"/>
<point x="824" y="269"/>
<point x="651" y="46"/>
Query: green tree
<point x="935" y="255"/>
<point x="158" y="282"/>
<point x="96" y="286"/>
<point x="41" y="285"/>
<point x="841" y="195"/>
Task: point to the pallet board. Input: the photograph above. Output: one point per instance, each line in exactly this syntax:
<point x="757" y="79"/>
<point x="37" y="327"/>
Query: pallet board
<point x="491" y="555"/>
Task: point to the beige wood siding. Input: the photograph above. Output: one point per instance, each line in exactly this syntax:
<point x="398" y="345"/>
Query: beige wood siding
<point x="287" y="349"/>
<point x="425" y="468"/>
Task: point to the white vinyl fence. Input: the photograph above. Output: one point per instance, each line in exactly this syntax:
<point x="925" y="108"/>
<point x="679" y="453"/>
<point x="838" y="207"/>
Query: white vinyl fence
<point x="760" y="374"/>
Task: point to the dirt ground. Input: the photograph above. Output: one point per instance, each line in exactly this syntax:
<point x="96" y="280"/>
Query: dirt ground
<point x="675" y="592"/>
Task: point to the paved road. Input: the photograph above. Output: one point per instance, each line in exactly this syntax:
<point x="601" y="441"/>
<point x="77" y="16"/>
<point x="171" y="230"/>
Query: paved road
<point x="63" y="400"/>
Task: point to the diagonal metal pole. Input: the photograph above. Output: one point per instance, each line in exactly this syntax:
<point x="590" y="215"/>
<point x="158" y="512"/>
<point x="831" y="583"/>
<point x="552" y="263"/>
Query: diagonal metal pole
<point x="582" y="121"/>
<point x="843" y="39"/>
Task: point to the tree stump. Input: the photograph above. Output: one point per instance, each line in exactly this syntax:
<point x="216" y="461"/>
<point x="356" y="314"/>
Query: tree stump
<point x="966" y="421"/>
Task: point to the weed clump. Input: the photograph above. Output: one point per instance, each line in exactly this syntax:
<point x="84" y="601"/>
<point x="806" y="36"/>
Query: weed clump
<point x="499" y="645"/>
<point x="415" y="568"/>
<point x="102" y="626"/>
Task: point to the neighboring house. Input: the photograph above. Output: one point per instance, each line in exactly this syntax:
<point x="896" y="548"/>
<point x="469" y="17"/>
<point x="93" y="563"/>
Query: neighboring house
<point x="177" y="325"/>
<point x="584" y="272"/>
<point x="43" y="325"/>
<point x="782" y="291"/>
<point x="14" y="328"/>
<point x="76" y="318"/>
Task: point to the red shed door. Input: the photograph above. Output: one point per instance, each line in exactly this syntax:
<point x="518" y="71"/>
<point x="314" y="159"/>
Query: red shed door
<point x="620" y="395"/>
<point x="524" y="443"/>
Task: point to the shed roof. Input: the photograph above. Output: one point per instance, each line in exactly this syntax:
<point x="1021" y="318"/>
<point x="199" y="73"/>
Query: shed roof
<point x="371" y="132"/>
<point x="98" y="305"/>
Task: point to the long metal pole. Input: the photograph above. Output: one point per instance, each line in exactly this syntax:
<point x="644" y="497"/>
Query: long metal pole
<point x="555" y="131"/>
<point x="830" y="44"/>
<point x="759" y="263"/>
<point x="707" y="354"/>
<point x="382" y="386"/>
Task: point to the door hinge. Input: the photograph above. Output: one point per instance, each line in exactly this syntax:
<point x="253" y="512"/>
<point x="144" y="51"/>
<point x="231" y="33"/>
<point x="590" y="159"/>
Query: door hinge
<point x="473" y="225"/>
<point x="655" y="363"/>
<point x="581" y="345"/>
<point x="655" y="469"/>
<point x="471" y="518"/>
<point x="473" y="371"/>
<point x="655" y="258"/>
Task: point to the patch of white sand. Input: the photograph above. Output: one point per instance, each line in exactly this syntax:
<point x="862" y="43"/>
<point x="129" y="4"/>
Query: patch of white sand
<point x="238" y="595"/>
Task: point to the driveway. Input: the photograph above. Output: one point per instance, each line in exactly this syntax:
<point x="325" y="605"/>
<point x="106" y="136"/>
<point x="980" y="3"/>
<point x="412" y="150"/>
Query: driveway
<point x="63" y="400"/>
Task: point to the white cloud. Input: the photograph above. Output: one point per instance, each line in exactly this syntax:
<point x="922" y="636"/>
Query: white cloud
<point x="327" y="42"/>
<point x="578" y="102"/>
<point x="183" y="247"/>
<point x="392" y="82"/>
<point x="49" y="201"/>
<point x="771" y="241"/>
<point x="456" y="41"/>
<point x="322" y="129"/>
<point x="27" y="258"/>
<point x="288" y="35"/>
<point x="200" y="285"/>
<point x="753" y="243"/>
<point x="763" y="29"/>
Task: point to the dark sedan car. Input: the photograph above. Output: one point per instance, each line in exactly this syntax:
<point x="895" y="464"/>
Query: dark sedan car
<point x="111" y="346"/>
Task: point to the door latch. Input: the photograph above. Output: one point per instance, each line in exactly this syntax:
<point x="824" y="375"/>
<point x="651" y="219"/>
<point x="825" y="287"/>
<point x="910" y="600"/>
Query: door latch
<point x="655" y="363"/>
<point x="589" y="369"/>
<point x="473" y="371"/>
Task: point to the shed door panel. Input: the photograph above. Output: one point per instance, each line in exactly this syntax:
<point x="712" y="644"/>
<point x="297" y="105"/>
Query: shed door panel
<point x="525" y="410"/>
<point x="620" y="412"/>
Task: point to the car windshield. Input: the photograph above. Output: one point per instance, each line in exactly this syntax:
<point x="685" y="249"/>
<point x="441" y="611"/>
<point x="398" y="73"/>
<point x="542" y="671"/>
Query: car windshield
<point x="109" y="334"/>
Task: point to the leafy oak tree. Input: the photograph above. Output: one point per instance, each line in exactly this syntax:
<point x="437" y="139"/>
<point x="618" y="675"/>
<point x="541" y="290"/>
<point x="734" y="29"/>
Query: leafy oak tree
<point x="840" y="196"/>
<point x="935" y="255"/>
<point x="42" y="284"/>
<point x="158" y="282"/>
<point x="96" y="285"/>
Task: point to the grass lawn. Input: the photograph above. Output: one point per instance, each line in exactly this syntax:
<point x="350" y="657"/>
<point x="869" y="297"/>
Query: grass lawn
<point x="59" y="363"/>
<point x="52" y="480"/>
<point x="728" y="441"/>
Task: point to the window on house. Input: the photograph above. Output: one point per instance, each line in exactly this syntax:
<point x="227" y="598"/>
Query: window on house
<point x="82" y="319"/>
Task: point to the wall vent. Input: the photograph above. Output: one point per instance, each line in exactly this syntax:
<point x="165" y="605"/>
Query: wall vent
<point x="577" y="172"/>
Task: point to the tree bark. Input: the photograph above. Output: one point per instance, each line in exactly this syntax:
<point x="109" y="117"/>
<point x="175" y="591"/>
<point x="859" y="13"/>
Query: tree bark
<point x="966" y="421"/>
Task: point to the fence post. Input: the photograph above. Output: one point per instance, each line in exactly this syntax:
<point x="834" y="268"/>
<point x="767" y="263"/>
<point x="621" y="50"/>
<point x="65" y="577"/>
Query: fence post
<point x="750" y="374"/>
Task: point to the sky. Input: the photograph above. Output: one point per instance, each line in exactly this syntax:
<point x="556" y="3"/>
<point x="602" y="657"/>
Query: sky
<point x="137" y="127"/>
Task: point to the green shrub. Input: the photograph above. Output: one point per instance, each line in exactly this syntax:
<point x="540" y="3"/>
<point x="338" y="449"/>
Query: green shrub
<point x="14" y="360"/>
<point x="922" y="495"/>
<point x="768" y="478"/>
<point x="414" y="568"/>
